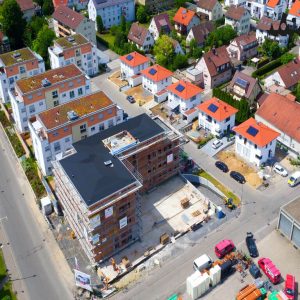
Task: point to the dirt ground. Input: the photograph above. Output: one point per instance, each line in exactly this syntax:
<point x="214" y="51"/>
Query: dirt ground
<point x="237" y="164"/>
<point x="139" y="95"/>
<point x="156" y="110"/>
<point x="116" y="79"/>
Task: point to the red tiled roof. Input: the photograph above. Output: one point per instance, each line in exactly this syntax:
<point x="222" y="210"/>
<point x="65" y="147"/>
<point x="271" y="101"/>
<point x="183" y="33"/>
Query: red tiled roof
<point x="184" y="16"/>
<point x="58" y="115"/>
<point x="290" y="73"/>
<point x="235" y="12"/>
<point x="134" y="59"/>
<point x="207" y="4"/>
<point x="159" y="73"/>
<point x="25" y="4"/>
<point x="295" y="9"/>
<point x="57" y="3"/>
<point x="245" y="39"/>
<point x="188" y="89"/>
<point x="223" y="111"/>
<point x="201" y="31"/>
<point x="137" y="34"/>
<point x="162" y="21"/>
<point x="273" y="3"/>
<point x="264" y="136"/>
<point x="68" y="16"/>
<point x="282" y="113"/>
<point x="216" y="58"/>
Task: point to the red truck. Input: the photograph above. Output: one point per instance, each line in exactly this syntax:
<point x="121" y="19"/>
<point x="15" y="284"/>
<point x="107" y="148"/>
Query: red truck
<point x="290" y="287"/>
<point x="223" y="248"/>
<point x="270" y="270"/>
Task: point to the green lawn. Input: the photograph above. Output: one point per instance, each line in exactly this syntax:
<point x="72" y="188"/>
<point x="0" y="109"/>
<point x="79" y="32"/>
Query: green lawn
<point x="108" y="37"/>
<point x="6" y="293"/>
<point x="221" y="187"/>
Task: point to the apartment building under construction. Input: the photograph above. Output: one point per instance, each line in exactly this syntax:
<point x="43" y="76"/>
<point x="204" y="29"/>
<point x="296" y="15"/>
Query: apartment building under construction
<point x="99" y="185"/>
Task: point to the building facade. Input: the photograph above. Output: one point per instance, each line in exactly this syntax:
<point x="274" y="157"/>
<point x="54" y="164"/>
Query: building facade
<point x="67" y="22"/>
<point x="293" y="17"/>
<point x="256" y="8"/>
<point x="160" y="24"/>
<point x="15" y="65"/>
<point x="27" y="8"/>
<point x="130" y="157"/>
<point x="55" y="130"/>
<point x="38" y="93"/>
<point x="141" y="37"/>
<point x="184" y="20"/>
<point x="216" y="116"/>
<point x="74" y="49"/>
<point x="111" y="11"/>
<point x="156" y="5"/>
<point x="275" y="9"/>
<point x="238" y="18"/>
<point x="255" y="142"/>
<point x="210" y="10"/>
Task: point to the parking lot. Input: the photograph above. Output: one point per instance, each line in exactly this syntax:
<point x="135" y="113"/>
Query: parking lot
<point x="209" y="150"/>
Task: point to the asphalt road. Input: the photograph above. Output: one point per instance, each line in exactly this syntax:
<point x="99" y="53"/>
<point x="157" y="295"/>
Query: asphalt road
<point x="258" y="214"/>
<point x="33" y="258"/>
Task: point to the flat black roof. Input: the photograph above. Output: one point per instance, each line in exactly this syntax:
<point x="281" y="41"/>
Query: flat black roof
<point x="92" y="179"/>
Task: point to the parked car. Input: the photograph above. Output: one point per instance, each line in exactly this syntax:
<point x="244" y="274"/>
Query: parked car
<point x="130" y="99"/>
<point x="223" y="248"/>
<point x="216" y="144"/>
<point x="280" y="170"/>
<point x="290" y="287"/>
<point x="251" y="245"/>
<point x="270" y="270"/>
<point x="237" y="176"/>
<point x="222" y="166"/>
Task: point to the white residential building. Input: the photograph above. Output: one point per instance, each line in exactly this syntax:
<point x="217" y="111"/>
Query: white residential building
<point x="15" y="65"/>
<point x="38" y="93"/>
<point x="256" y="8"/>
<point x="67" y="22"/>
<point x="132" y="64"/>
<point x="111" y="11"/>
<point x="184" y="96"/>
<point x="275" y="9"/>
<point x="155" y="79"/>
<point x="160" y="24"/>
<point x="235" y="2"/>
<point x="255" y="142"/>
<point x="55" y="130"/>
<point x="293" y="17"/>
<point x="238" y="18"/>
<point x="184" y="20"/>
<point x="75" y="49"/>
<point x="141" y="37"/>
<point x="216" y="116"/>
<point x="210" y="10"/>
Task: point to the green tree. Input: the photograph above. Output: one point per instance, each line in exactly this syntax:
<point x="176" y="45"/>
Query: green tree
<point x="100" y="26"/>
<point x="180" y="61"/>
<point x="286" y="58"/>
<point x="164" y="50"/>
<point x="194" y="50"/>
<point x="123" y="23"/>
<point x="120" y="39"/>
<point x="297" y="92"/>
<point x="47" y="7"/>
<point x="44" y="40"/>
<point x="32" y="29"/>
<point x="180" y="3"/>
<point x="270" y="49"/>
<point x="221" y="36"/>
<point x="142" y="14"/>
<point x="13" y="23"/>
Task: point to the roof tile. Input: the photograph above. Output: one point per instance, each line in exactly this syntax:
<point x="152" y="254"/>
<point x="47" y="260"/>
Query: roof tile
<point x="184" y="16"/>
<point x="159" y="73"/>
<point x="137" y="34"/>
<point x="188" y="89"/>
<point x="134" y="59"/>
<point x="68" y="16"/>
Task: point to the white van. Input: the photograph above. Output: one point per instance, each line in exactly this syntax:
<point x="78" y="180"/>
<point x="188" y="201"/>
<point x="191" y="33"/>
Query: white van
<point x="294" y="179"/>
<point x="203" y="262"/>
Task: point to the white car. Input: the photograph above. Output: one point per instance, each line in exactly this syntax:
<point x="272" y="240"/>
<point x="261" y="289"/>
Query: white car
<point x="280" y="170"/>
<point x="216" y="144"/>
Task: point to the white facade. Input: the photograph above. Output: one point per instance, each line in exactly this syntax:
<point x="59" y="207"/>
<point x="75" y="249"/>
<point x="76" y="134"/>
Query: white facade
<point x="256" y="8"/>
<point x="282" y="40"/>
<point x="241" y="26"/>
<point x="274" y="79"/>
<point x="276" y="12"/>
<point x="293" y="21"/>
<point x="155" y="86"/>
<point x="184" y="104"/>
<point x="128" y="71"/>
<point x="214" y="126"/>
<point x="7" y="80"/>
<point x="111" y="11"/>
<point x="22" y="113"/>
<point x="214" y="14"/>
<point x="235" y="2"/>
<point x="87" y="62"/>
<point x="252" y="152"/>
<point x="147" y="43"/>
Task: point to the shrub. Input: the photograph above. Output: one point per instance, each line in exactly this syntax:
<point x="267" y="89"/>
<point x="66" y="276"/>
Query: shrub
<point x="3" y="119"/>
<point x="267" y="68"/>
<point x="102" y="41"/>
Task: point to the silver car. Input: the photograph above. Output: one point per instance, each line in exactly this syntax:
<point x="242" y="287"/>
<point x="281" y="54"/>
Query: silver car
<point x="279" y="169"/>
<point x="216" y="144"/>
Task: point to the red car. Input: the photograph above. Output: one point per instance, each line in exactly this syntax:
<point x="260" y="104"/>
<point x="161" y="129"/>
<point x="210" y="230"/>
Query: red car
<point x="290" y="286"/>
<point x="223" y="248"/>
<point x="270" y="270"/>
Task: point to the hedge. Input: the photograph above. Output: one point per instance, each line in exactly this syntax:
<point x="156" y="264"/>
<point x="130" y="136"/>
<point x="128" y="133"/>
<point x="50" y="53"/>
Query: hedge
<point x="102" y="41"/>
<point x="267" y="68"/>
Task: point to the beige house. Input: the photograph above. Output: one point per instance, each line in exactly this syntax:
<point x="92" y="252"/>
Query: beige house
<point x="210" y="10"/>
<point x="238" y="18"/>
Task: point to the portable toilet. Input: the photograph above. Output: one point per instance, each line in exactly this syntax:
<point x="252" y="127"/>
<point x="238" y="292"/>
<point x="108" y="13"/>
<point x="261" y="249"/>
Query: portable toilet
<point x="190" y="280"/>
<point x="215" y="275"/>
<point x="220" y="213"/>
<point x="46" y="206"/>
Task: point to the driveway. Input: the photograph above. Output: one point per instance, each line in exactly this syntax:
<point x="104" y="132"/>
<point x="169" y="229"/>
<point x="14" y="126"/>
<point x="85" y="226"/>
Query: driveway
<point x="210" y="151"/>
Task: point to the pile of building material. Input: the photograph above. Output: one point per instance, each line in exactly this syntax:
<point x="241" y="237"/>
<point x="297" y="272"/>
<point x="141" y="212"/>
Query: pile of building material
<point x="197" y="284"/>
<point x="251" y="292"/>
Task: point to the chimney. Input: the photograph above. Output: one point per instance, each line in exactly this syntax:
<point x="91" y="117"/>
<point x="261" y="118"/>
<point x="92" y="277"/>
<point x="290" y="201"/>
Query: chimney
<point x="214" y="51"/>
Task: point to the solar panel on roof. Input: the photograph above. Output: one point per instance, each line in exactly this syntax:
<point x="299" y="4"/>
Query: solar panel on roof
<point x="252" y="131"/>
<point x="152" y="71"/>
<point x="129" y="57"/>
<point x="213" y="108"/>
<point x="179" y="88"/>
<point x="241" y="82"/>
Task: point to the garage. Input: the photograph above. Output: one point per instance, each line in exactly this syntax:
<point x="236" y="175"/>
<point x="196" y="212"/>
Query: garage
<point x="289" y="221"/>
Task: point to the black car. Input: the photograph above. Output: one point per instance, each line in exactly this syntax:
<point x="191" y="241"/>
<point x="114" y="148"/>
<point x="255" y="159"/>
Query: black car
<point x="222" y="166"/>
<point x="237" y="176"/>
<point x="254" y="271"/>
<point x="130" y="99"/>
<point x="251" y="245"/>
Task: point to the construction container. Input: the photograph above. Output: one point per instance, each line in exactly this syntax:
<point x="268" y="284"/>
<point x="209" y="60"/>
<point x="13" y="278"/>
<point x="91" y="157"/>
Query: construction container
<point x="282" y="296"/>
<point x="197" y="285"/>
<point x="226" y="268"/>
<point x="255" y="295"/>
<point x="263" y="292"/>
<point x="206" y="279"/>
<point x="273" y="295"/>
<point x="215" y="275"/>
<point x="245" y="291"/>
<point x="190" y="280"/>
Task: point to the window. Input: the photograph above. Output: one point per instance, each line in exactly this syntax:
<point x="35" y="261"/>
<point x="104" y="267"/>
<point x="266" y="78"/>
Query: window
<point x="48" y="158"/>
<point x="79" y="63"/>
<point x="25" y="119"/>
<point x="47" y="148"/>
<point x="55" y="133"/>
<point x="23" y="110"/>
<point x="72" y="94"/>
<point x="66" y="129"/>
<point x="110" y="111"/>
<point x="100" y="116"/>
<point x="11" y="80"/>
<point x="82" y="128"/>
<point x="77" y="52"/>
<point x="93" y="129"/>
<point x="92" y="118"/>
<point x="41" y="103"/>
<point x="89" y="57"/>
<point x="79" y="80"/>
<point x="54" y="94"/>
<point x="22" y="69"/>
<point x="110" y="123"/>
<point x="227" y="120"/>
<point x="71" y="84"/>
<point x="67" y="139"/>
<point x="64" y="95"/>
<point x="31" y="109"/>
<point x="55" y="102"/>
<point x="101" y="127"/>
<point x="80" y="91"/>
<point x="56" y="146"/>
<point x="87" y="87"/>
